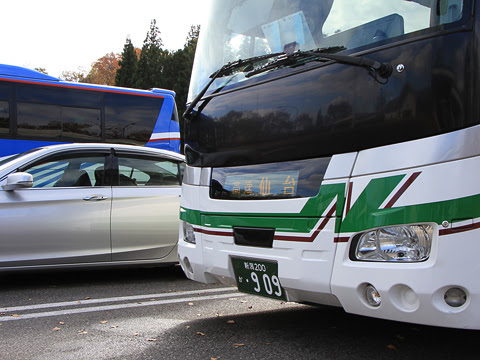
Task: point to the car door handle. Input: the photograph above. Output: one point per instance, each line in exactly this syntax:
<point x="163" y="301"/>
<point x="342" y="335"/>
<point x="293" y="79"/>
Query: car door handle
<point x="95" y="198"/>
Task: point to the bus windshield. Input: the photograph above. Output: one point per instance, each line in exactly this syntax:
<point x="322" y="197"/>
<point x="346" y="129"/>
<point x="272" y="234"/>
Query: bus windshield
<point x="244" y="29"/>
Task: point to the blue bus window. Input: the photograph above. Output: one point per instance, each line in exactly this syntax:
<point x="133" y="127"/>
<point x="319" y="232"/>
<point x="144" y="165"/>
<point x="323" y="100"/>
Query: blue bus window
<point x="4" y="117"/>
<point x="38" y="110"/>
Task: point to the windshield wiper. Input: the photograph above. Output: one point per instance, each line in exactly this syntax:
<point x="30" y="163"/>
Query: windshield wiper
<point x="384" y="70"/>
<point x="297" y="58"/>
<point x="293" y="59"/>
<point x="226" y="70"/>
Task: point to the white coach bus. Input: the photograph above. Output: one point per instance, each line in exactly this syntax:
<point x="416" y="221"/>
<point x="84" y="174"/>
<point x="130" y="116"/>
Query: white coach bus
<point x="332" y="147"/>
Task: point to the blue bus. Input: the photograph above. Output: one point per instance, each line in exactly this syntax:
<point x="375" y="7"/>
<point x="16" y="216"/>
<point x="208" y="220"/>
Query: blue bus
<point x="37" y="110"/>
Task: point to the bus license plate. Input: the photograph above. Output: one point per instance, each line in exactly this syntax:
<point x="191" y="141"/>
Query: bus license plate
<point x="258" y="278"/>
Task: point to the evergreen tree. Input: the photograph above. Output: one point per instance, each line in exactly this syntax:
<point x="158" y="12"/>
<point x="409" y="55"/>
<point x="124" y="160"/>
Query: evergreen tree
<point x="141" y="72"/>
<point x="128" y="65"/>
<point x="149" y="67"/>
<point x="177" y="69"/>
<point x="192" y="37"/>
<point x="184" y="63"/>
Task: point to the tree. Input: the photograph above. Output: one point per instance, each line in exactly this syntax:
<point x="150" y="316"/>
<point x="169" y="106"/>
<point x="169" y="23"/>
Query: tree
<point x="192" y="37"/>
<point x="183" y="60"/>
<point x="74" y="76"/>
<point x="41" y="70"/>
<point x="177" y="70"/>
<point x="125" y="75"/>
<point x="103" y="70"/>
<point x="150" y="63"/>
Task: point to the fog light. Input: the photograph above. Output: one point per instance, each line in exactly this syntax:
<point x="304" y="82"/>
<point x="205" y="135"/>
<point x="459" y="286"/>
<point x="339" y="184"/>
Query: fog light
<point x="372" y="296"/>
<point x="455" y="297"/>
<point x="400" y="243"/>
<point x="188" y="233"/>
<point x="187" y="265"/>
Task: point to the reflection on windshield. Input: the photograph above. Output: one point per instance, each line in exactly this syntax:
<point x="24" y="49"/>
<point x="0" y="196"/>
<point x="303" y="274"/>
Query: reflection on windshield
<point x="241" y="29"/>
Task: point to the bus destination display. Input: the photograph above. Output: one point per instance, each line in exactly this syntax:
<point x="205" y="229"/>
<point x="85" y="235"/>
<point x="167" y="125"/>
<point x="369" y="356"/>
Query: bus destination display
<point x="262" y="185"/>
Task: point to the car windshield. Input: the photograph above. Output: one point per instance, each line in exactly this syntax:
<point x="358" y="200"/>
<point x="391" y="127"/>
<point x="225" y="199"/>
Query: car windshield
<point x="242" y="29"/>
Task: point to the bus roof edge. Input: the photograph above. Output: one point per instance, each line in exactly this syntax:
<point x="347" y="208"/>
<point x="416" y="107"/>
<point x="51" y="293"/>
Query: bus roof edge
<point x="12" y="70"/>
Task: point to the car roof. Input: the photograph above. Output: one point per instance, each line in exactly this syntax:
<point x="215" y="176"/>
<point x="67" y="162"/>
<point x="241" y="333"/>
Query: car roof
<point x="121" y="147"/>
<point x="115" y="146"/>
<point x="52" y="149"/>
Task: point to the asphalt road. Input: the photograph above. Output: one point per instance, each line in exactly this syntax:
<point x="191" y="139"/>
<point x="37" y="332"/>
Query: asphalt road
<point x="159" y="314"/>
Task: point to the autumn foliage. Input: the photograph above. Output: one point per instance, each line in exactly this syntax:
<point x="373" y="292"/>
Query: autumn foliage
<point x="103" y="70"/>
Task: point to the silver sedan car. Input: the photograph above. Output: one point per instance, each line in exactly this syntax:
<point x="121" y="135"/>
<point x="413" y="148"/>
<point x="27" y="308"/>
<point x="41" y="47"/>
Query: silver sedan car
<point x="86" y="205"/>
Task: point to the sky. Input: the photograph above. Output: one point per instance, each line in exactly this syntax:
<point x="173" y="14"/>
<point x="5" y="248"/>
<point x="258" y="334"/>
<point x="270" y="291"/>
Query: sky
<point x="62" y="35"/>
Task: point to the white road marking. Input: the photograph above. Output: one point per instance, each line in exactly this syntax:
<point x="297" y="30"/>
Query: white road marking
<point x="180" y="297"/>
<point x="114" y="299"/>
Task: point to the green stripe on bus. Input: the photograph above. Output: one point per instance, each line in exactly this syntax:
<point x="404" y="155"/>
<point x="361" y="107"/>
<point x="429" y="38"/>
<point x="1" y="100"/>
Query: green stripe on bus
<point x="364" y="214"/>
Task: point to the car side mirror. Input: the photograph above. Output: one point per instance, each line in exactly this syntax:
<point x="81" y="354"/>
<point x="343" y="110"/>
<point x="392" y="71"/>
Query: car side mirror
<point x="18" y="180"/>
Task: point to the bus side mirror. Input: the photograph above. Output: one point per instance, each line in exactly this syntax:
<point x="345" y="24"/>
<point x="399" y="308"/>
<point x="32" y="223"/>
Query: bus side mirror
<point x="19" y="180"/>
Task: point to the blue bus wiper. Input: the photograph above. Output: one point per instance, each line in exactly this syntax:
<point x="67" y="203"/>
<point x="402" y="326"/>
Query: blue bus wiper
<point x="226" y="70"/>
<point x="384" y="70"/>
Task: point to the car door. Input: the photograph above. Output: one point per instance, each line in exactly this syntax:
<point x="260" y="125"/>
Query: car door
<point x="145" y="208"/>
<point x="63" y="219"/>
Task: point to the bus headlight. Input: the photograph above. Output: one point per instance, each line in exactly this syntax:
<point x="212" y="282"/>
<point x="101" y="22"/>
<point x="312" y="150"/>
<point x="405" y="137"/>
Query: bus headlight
<point x="188" y="233"/>
<point x="400" y="243"/>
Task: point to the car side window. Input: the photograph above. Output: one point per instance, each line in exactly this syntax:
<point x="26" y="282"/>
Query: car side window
<point x="68" y="171"/>
<point x="146" y="171"/>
